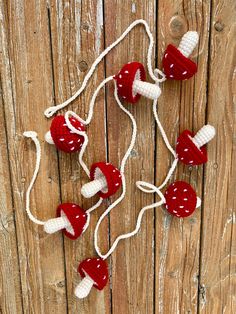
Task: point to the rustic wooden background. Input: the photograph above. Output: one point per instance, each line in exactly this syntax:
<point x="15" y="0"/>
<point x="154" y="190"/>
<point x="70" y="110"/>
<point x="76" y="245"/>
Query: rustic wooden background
<point x="172" y="266"/>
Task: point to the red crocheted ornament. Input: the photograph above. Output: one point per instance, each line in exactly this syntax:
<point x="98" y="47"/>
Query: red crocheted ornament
<point x="63" y="137"/>
<point x="96" y="269"/>
<point x="176" y="66"/>
<point x="76" y="216"/>
<point x="181" y="199"/>
<point x="125" y="79"/>
<point x="112" y="175"/>
<point x="187" y="152"/>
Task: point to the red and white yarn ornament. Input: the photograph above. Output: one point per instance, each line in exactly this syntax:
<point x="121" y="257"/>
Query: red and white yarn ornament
<point x="68" y="134"/>
<point x="131" y="83"/>
<point x="191" y="149"/>
<point x="105" y="180"/>
<point x="71" y="219"/>
<point x="62" y="137"/>
<point x="181" y="199"/>
<point x="176" y="62"/>
<point x="94" y="273"/>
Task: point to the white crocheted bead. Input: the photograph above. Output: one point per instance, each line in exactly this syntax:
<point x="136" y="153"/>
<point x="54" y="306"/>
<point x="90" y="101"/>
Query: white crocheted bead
<point x="90" y="189"/>
<point x="204" y="135"/>
<point x="56" y="224"/>
<point x="48" y="138"/>
<point x="146" y="89"/>
<point x="199" y="202"/>
<point x="84" y="287"/>
<point x="188" y="42"/>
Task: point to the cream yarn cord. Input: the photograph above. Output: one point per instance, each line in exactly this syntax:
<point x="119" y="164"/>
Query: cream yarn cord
<point x="154" y="75"/>
<point x="33" y="135"/>
<point x="122" y="168"/>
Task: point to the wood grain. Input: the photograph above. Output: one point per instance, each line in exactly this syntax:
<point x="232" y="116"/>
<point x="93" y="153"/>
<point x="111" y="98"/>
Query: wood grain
<point x="218" y="261"/>
<point x="26" y="69"/>
<point x="10" y="289"/>
<point x="77" y="39"/>
<point x="133" y="260"/>
<point x="178" y="241"/>
<point x="171" y="266"/>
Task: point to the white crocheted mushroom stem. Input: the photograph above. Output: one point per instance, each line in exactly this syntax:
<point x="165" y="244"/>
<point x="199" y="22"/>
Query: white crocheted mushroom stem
<point x="56" y="224"/>
<point x="84" y="287"/>
<point x="199" y="202"/>
<point x="188" y="42"/>
<point x="204" y="135"/>
<point x="48" y="138"/>
<point x="91" y="188"/>
<point x="146" y="89"/>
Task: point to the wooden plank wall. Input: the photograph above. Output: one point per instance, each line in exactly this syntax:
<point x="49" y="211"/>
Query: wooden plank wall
<point x="172" y="266"/>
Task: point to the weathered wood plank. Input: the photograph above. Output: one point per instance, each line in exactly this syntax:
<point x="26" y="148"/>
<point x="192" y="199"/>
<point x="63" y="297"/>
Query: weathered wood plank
<point x="26" y="75"/>
<point x="218" y="261"/>
<point x="181" y="106"/>
<point x="10" y="289"/>
<point x="77" y="39"/>
<point x="133" y="260"/>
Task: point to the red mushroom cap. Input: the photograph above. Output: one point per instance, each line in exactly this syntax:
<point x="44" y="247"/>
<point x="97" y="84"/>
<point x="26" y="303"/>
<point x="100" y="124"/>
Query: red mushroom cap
<point x="181" y="199"/>
<point x="76" y="216"/>
<point x="112" y="175"/>
<point x="176" y="65"/>
<point x="125" y="78"/>
<point x="63" y="137"/>
<point x="95" y="268"/>
<point x="187" y="152"/>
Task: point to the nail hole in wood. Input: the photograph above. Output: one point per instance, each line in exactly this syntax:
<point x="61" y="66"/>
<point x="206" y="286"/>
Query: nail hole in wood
<point x="83" y="66"/>
<point x="219" y="26"/>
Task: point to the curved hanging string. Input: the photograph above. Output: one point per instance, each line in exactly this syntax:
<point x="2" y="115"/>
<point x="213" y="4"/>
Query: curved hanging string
<point x="91" y="104"/>
<point x="153" y="74"/>
<point x="33" y="135"/>
<point x="122" y="168"/>
<point x="165" y="139"/>
<point x="163" y="133"/>
<point x="142" y="185"/>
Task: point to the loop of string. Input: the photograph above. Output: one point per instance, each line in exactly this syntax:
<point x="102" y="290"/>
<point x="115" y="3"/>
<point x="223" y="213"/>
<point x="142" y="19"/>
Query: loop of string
<point x="142" y="186"/>
<point x="154" y="75"/>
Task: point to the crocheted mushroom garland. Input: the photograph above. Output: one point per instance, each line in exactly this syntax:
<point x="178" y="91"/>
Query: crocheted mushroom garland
<point x="68" y="134"/>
